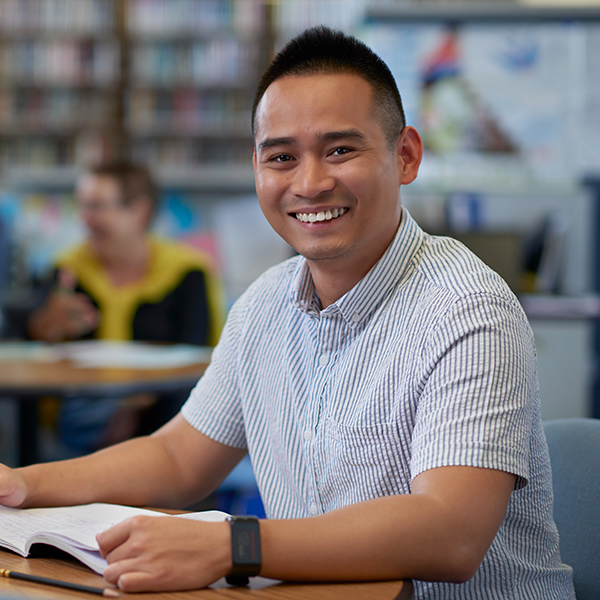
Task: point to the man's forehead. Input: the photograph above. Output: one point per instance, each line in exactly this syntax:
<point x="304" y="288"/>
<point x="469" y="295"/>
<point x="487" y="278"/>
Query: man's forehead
<point x="290" y="84"/>
<point x="304" y="89"/>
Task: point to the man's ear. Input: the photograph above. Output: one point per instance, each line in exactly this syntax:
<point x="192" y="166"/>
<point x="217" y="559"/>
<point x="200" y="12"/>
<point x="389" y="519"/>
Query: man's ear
<point x="409" y="152"/>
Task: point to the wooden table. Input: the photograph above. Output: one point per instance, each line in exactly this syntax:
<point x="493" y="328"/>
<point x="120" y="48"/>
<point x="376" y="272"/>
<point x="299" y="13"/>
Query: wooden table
<point x="51" y="563"/>
<point x="27" y="381"/>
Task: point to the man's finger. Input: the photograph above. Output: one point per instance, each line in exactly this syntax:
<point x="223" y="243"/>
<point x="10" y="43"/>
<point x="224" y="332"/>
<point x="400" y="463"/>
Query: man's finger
<point x="118" y="573"/>
<point x="112" y="538"/>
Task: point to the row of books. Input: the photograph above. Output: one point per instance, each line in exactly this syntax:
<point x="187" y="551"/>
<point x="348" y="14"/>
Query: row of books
<point x="188" y="110"/>
<point x="180" y="153"/>
<point x="40" y="152"/>
<point x="45" y="152"/>
<point x="214" y="62"/>
<point x="67" y="108"/>
<point x="52" y="16"/>
<point x="50" y="152"/>
<point x="188" y="17"/>
<point x="59" y="62"/>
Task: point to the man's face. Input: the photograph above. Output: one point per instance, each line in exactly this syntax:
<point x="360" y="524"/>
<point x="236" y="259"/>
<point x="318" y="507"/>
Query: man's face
<point x="107" y="219"/>
<point x="326" y="179"/>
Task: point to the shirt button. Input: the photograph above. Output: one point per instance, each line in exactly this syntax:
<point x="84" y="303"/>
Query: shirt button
<point x="313" y="510"/>
<point x="355" y="318"/>
<point x="323" y="359"/>
<point x="308" y="435"/>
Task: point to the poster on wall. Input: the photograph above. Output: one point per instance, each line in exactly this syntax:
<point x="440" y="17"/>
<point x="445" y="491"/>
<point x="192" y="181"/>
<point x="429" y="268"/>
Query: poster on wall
<point x="496" y="104"/>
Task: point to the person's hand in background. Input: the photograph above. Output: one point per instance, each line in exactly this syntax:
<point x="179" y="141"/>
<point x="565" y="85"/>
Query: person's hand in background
<point x="65" y="314"/>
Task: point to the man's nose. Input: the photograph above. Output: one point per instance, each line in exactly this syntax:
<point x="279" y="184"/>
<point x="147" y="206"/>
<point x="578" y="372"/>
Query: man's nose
<point x="311" y="178"/>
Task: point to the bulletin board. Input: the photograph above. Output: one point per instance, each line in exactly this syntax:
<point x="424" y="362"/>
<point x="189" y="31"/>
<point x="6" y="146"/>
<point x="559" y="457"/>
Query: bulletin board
<point x="507" y="97"/>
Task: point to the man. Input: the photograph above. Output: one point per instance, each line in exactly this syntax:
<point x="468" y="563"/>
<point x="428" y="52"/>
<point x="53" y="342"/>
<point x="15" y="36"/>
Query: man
<point x="122" y="283"/>
<point x="383" y="382"/>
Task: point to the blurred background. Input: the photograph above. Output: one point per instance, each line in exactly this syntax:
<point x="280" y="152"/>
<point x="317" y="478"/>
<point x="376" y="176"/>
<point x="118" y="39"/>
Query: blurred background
<point x="506" y="95"/>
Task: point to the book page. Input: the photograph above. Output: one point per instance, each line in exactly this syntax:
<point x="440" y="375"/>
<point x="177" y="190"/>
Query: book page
<point x="205" y="515"/>
<point x="74" y="528"/>
<point x="78" y="524"/>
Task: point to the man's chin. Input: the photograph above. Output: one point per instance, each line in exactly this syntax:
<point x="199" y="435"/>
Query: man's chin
<point x="322" y="255"/>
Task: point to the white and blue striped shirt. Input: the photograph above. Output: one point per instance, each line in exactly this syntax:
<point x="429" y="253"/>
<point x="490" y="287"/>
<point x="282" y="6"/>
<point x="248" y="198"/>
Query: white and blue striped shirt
<point x="428" y="361"/>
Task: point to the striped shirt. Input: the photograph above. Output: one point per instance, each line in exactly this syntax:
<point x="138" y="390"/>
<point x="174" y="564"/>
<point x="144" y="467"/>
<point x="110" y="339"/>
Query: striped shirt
<point x="428" y="361"/>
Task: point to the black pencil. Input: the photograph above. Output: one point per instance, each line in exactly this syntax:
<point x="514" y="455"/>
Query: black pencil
<point x="108" y="592"/>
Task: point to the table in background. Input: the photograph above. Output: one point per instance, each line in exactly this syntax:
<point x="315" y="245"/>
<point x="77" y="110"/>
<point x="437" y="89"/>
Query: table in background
<point x="27" y="381"/>
<point x="67" y="569"/>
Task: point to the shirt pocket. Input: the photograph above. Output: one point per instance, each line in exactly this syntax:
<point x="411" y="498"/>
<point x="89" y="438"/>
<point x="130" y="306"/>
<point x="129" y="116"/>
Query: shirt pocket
<point x="363" y="462"/>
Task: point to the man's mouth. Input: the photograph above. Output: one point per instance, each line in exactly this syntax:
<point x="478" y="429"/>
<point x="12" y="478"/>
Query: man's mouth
<point x="324" y="215"/>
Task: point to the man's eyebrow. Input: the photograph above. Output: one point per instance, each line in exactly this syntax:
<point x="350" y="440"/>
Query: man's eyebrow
<point x="344" y="134"/>
<point x="279" y="141"/>
<point x="329" y="136"/>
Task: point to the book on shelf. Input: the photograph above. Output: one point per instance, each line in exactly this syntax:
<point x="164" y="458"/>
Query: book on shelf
<point x="73" y="529"/>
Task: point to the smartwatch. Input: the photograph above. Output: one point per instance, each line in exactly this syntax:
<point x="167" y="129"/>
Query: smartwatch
<point x="245" y="549"/>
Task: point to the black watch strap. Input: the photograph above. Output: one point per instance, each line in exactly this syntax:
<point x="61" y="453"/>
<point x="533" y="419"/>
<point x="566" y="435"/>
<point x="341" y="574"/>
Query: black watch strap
<point x="245" y="549"/>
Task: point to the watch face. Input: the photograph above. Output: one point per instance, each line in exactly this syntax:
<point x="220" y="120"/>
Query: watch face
<point x="245" y="549"/>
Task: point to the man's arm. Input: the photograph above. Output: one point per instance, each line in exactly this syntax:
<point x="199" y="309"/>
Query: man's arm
<point x="440" y="532"/>
<point x="170" y="468"/>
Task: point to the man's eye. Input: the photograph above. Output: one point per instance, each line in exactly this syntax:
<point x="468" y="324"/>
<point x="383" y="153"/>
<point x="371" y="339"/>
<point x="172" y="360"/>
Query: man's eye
<point x="341" y="151"/>
<point x="281" y="158"/>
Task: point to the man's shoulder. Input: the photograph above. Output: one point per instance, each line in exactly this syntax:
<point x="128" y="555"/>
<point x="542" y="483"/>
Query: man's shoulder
<point x="448" y="265"/>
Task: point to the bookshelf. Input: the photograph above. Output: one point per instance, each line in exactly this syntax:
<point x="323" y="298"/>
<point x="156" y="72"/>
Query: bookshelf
<point x="192" y="71"/>
<point x="166" y="82"/>
<point x="60" y="83"/>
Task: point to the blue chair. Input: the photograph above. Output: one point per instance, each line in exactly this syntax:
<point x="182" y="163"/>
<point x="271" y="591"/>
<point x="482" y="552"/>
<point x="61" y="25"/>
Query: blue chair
<point x="574" y="446"/>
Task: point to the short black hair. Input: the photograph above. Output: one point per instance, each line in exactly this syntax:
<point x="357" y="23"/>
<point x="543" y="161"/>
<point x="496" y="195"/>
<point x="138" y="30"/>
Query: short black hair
<point x="321" y="50"/>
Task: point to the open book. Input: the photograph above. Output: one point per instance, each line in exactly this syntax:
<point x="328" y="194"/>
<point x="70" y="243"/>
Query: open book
<point x="73" y="529"/>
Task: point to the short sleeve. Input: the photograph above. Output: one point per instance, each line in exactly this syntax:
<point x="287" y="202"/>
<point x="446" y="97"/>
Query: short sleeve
<point x="214" y="406"/>
<point x="477" y="404"/>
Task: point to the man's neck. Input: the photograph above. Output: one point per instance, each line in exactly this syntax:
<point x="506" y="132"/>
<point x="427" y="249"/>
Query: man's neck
<point x="334" y="278"/>
<point x="332" y="284"/>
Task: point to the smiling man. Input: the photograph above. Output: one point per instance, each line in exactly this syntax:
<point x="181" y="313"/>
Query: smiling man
<point x="318" y="157"/>
<point x="383" y="382"/>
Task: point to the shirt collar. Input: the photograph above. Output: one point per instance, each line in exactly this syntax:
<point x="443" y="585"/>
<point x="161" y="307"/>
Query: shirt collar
<point x="360" y="302"/>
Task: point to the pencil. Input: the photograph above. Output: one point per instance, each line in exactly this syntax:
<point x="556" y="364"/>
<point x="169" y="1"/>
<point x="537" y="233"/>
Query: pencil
<point x="107" y="592"/>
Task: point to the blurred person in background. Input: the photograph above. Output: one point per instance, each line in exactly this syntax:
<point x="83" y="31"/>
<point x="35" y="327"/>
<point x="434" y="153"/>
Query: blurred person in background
<point x="124" y="284"/>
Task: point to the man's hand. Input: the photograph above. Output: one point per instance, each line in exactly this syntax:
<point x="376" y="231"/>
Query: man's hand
<point x="65" y="314"/>
<point x="165" y="553"/>
<point x="13" y="490"/>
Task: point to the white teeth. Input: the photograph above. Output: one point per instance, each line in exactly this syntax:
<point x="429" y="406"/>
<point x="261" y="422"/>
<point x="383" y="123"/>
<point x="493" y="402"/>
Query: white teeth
<point x="321" y="216"/>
